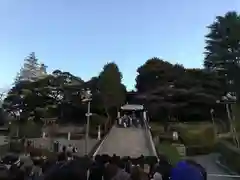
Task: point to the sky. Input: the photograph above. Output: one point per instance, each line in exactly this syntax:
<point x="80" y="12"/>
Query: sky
<point x="81" y="36"/>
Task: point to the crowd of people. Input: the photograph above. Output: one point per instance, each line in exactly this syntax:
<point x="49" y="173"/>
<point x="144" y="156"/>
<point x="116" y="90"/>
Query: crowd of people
<point x="129" y="121"/>
<point x="105" y="167"/>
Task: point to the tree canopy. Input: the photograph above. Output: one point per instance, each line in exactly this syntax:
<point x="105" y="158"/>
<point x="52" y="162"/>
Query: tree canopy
<point x="58" y="94"/>
<point x="168" y="91"/>
<point x="223" y="49"/>
<point x="112" y="90"/>
<point x="172" y="90"/>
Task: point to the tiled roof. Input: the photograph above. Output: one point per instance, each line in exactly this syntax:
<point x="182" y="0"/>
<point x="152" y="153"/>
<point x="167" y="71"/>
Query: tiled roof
<point x="132" y="107"/>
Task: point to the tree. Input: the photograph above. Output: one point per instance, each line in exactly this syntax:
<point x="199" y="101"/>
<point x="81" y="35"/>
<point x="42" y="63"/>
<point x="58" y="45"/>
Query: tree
<point x="112" y="90"/>
<point x="49" y="96"/>
<point x="223" y="46"/>
<point x="156" y="72"/>
<point x="31" y="69"/>
<point x="174" y="92"/>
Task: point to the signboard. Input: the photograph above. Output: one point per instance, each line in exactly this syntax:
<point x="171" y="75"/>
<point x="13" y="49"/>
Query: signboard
<point x="175" y="136"/>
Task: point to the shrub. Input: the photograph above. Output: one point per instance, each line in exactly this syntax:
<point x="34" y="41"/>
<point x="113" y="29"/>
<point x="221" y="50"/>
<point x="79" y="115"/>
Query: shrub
<point x="170" y="152"/>
<point x="156" y="129"/>
<point x="197" y="136"/>
<point x="198" y="150"/>
<point x="28" y="129"/>
<point x="97" y="120"/>
<point x="230" y="154"/>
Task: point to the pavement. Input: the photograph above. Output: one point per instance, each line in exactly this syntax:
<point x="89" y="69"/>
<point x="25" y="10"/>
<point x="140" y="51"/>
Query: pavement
<point x="125" y="142"/>
<point x="214" y="171"/>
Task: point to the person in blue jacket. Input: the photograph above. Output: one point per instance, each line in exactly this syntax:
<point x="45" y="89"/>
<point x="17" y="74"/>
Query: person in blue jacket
<point x="186" y="171"/>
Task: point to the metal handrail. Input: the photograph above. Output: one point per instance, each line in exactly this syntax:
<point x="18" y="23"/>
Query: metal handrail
<point x="149" y="135"/>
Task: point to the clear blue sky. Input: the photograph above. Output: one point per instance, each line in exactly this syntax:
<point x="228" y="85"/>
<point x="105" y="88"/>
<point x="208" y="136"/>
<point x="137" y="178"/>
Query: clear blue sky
<point x="80" y="36"/>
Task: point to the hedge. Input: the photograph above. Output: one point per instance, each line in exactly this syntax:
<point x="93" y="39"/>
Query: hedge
<point x="198" y="150"/>
<point x="202" y="136"/>
<point x="169" y="151"/>
<point x="230" y="154"/>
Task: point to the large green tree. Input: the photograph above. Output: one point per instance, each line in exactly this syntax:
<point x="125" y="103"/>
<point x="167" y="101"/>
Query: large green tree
<point x="112" y="90"/>
<point x="50" y="96"/>
<point x="169" y="90"/>
<point x="223" y="47"/>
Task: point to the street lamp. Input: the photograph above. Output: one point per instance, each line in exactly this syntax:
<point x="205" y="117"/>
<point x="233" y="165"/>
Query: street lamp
<point x="87" y="97"/>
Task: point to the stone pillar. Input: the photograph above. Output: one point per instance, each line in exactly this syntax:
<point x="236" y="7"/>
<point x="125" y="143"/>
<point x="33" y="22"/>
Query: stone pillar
<point x="99" y="132"/>
<point x="175" y="135"/>
<point x="43" y="135"/>
<point x="69" y="135"/>
<point x="119" y="114"/>
<point x="144" y="115"/>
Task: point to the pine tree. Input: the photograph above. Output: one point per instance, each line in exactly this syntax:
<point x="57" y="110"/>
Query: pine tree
<point x="223" y="42"/>
<point x="223" y="47"/>
<point x="31" y="69"/>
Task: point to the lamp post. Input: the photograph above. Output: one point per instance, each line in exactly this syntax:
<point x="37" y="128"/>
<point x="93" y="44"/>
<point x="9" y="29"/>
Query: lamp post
<point x="87" y="97"/>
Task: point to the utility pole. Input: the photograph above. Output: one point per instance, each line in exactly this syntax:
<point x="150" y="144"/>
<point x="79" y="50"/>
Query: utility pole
<point x="86" y="97"/>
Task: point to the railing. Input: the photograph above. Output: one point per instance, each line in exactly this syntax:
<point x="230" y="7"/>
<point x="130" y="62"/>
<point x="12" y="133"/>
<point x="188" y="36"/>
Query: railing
<point x="101" y="142"/>
<point x="150" y="138"/>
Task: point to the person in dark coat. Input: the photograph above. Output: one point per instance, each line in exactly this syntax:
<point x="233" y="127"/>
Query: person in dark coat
<point x="164" y="168"/>
<point x="141" y="161"/>
<point x="97" y="169"/>
<point x="110" y="171"/>
<point x="69" y="170"/>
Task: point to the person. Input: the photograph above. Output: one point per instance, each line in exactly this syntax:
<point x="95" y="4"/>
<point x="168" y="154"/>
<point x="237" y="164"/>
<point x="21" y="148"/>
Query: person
<point x="141" y="161"/>
<point x="157" y="176"/>
<point x="64" y="148"/>
<point x="199" y="166"/>
<point x="70" y="170"/>
<point x="128" y="164"/>
<point x="137" y="173"/>
<point x="110" y="171"/>
<point x="96" y="169"/>
<point x="121" y="174"/>
<point x="164" y="167"/>
<point x="74" y="150"/>
<point x="69" y="148"/>
<point x="186" y="171"/>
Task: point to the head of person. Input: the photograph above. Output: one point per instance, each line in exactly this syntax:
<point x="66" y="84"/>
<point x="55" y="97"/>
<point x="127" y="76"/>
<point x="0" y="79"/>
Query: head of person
<point x="186" y="171"/>
<point x="68" y="171"/>
<point x="135" y="173"/>
<point x="97" y="158"/>
<point x="157" y="176"/>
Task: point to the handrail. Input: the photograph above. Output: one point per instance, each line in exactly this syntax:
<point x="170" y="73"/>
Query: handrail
<point x="102" y="141"/>
<point x="149" y="136"/>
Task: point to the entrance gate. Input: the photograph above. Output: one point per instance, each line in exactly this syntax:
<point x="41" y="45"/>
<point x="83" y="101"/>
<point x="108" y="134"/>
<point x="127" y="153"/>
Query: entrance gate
<point x="133" y="109"/>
